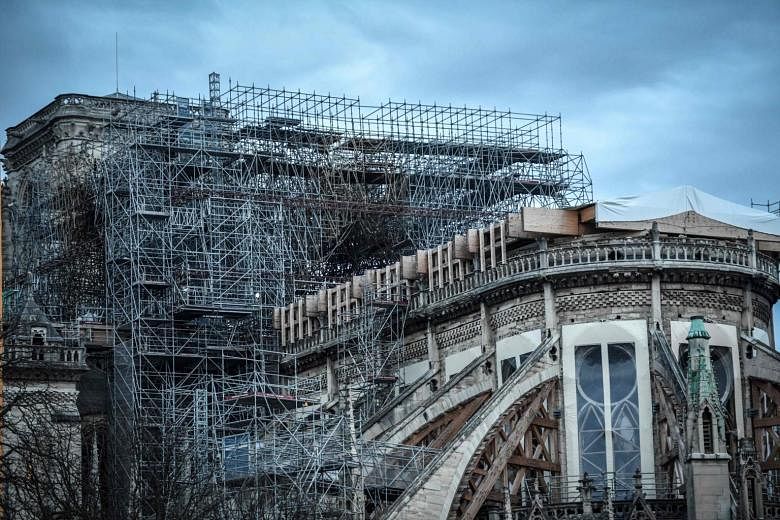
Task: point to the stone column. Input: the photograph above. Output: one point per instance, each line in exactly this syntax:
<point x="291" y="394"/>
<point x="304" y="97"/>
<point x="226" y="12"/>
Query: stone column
<point x="435" y="358"/>
<point x="751" y="243"/>
<point x="746" y="325"/>
<point x="550" y="316"/>
<point x="331" y="379"/>
<point x="655" y="236"/>
<point x="655" y="282"/>
<point x="433" y="349"/>
<point x="746" y="317"/>
<point x="655" y="299"/>
<point x="489" y="341"/>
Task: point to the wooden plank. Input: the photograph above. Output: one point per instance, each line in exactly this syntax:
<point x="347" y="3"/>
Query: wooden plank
<point x="526" y="462"/>
<point x="514" y="227"/>
<point x="689" y="223"/>
<point x="459" y="420"/>
<point x="426" y="430"/>
<point x="668" y="414"/>
<point x="551" y="221"/>
<point x="546" y="422"/>
<point x="518" y="482"/>
<point x="770" y="390"/>
<point x="666" y="458"/>
<point x="766" y="422"/>
<point x="452" y="419"/>
<point x="768" y="247"/>
<point x="588" y="213"/>
<point x="544" y="453"/>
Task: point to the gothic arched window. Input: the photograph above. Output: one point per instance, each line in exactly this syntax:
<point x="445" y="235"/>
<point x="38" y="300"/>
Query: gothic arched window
<point x="608" y="398"/>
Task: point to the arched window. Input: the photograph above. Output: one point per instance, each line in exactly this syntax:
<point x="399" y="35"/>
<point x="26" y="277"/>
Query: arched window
<point x="707" y="431"/>
<point x="608" y="411"/>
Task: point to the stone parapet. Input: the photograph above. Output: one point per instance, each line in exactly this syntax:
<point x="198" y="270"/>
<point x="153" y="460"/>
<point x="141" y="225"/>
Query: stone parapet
<point x="576" y="257"/>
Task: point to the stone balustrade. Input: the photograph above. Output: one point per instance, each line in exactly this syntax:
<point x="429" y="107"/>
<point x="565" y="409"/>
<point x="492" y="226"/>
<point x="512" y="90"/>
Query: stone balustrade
<point x="575" y="256"/>
<point x="638" y="253"/>
<point x="44" y="355"/>
<point x="324" y="337"/>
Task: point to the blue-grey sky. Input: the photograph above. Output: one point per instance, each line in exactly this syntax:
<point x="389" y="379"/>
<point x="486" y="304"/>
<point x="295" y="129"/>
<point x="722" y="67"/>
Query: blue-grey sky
<point x="656" y="94"/>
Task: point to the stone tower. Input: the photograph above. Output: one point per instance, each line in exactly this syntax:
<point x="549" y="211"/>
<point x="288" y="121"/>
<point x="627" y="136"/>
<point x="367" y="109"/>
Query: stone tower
<point x="707" y="463"/>
<point x="41" y="426"/>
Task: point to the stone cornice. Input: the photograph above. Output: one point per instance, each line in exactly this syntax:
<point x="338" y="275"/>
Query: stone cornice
<point x="25" y="139"/>
<point x="609" y="263"/>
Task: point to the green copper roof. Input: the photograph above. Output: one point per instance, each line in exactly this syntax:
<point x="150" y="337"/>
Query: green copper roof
<point x="697" y="328"/>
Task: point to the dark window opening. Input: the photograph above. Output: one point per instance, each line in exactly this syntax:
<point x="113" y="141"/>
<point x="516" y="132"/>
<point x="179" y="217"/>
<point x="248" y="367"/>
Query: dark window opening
<point x="508" y="367"/>
<point x="707" y="433"/>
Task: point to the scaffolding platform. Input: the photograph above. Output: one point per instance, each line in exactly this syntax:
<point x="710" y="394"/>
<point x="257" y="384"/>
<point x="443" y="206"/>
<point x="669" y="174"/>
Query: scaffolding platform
<point x="211" y="212"/>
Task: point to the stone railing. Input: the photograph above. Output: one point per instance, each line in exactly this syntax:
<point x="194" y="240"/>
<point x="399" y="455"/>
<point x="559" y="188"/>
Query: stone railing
<point x="526" y="265"/>
<point x="576" y="256"/>
<point x="619" y="487"/>
<point x="611" y="251"/>
<point x="44" y="356"/>
<point x="634" y="252"/>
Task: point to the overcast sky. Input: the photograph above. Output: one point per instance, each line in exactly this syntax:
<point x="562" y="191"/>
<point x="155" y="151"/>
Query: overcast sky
<point x="655" y="94"/>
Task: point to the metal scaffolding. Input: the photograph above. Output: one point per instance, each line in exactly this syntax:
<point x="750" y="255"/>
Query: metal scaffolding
<point x="771" y="207"/>
<point x="52" y="236"/>
<point x="209" y="213"/>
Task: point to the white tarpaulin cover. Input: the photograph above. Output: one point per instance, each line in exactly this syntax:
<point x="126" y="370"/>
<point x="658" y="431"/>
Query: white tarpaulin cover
<point x="661" y="204"/>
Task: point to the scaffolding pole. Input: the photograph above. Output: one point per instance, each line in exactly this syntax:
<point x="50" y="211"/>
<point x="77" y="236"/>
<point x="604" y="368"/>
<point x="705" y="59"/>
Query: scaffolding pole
<point x="189" y="220"/>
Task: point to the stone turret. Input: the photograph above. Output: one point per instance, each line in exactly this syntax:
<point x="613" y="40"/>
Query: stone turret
<point x="41" y="424"/>
<point x="708" y="491"/>
<point x="706" y="416"/>
<point x="36" y="353"/>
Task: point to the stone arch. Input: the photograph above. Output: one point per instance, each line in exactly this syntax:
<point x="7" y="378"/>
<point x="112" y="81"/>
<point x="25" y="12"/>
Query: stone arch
<point x="436" y="490"/>
<point x="522" y="444"/>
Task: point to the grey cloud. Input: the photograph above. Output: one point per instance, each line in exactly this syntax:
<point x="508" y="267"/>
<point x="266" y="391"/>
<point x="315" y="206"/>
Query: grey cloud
<point x="654" y="95"/>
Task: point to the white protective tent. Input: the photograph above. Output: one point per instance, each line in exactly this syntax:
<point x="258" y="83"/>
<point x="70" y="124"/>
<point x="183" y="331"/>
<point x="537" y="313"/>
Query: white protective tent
<point x="660" y="204"/>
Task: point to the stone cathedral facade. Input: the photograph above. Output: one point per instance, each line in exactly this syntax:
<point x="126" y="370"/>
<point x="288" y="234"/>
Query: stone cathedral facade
<point x="565" y="366"/>
<point x="610" y="360"/>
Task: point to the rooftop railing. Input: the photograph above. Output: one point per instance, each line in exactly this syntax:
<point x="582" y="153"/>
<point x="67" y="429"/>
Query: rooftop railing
<point x="54" y="356"/>
<point x="577" y="256"/>
<point x="622" y="253"/>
